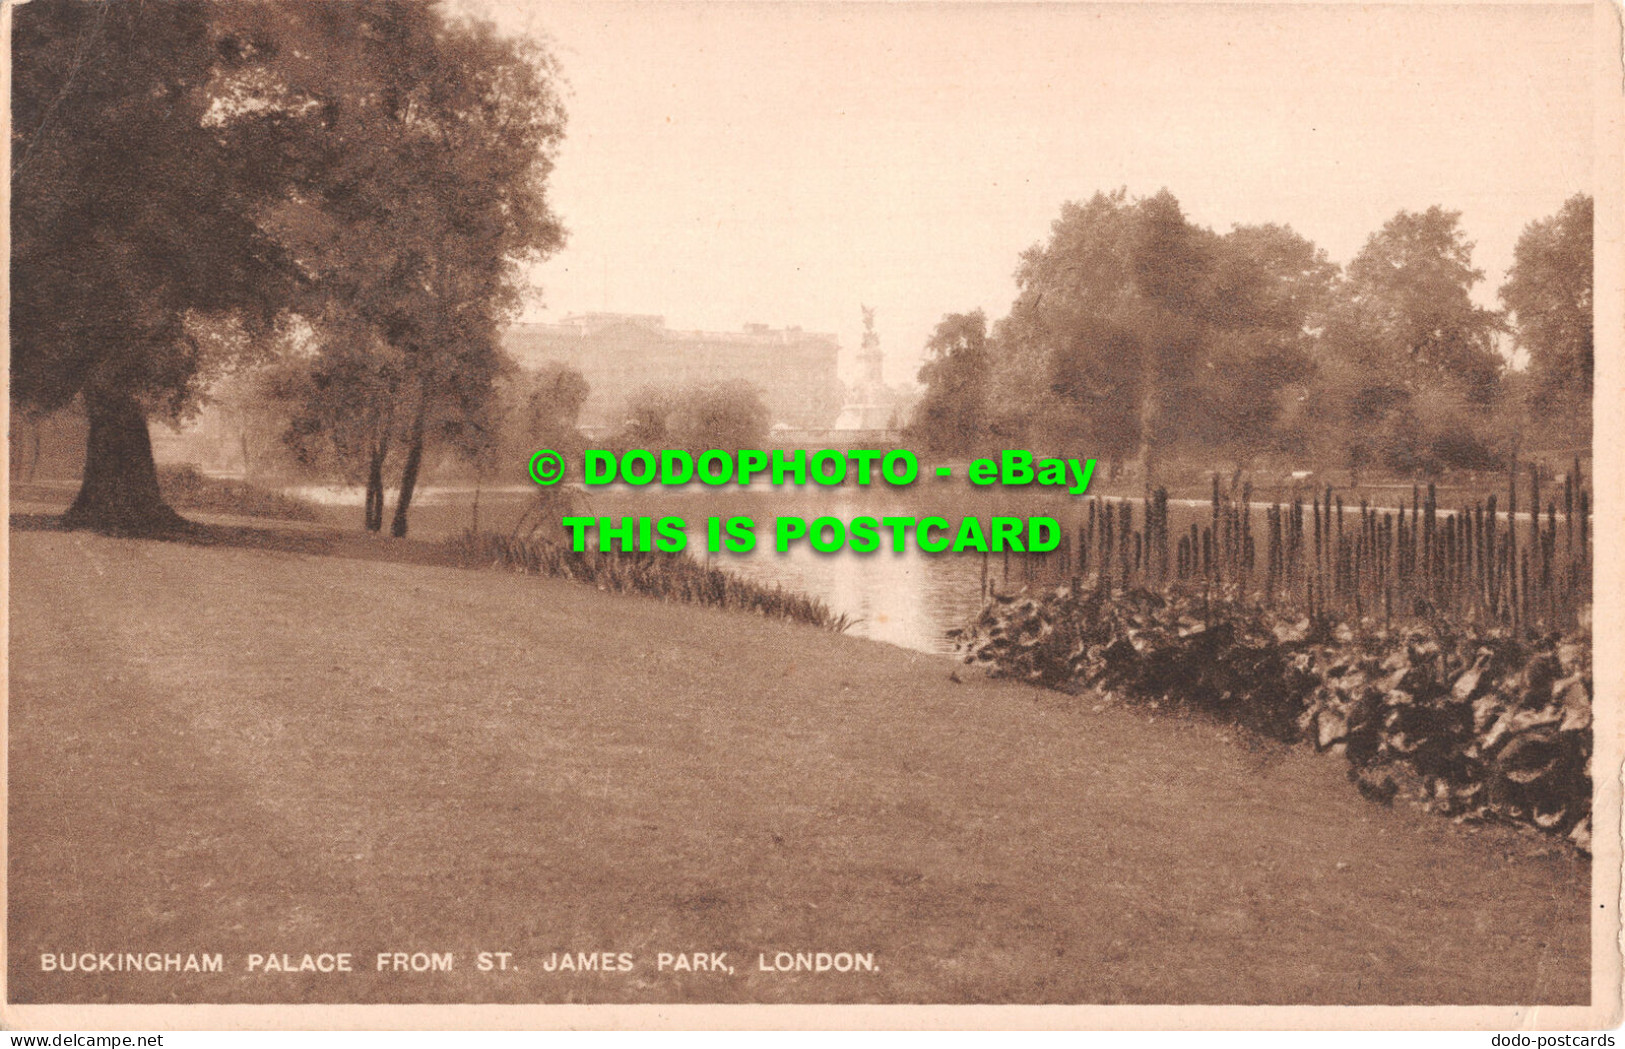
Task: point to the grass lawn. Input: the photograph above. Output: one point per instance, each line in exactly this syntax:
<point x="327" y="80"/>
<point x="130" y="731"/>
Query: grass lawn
<point x="221" y="749"/>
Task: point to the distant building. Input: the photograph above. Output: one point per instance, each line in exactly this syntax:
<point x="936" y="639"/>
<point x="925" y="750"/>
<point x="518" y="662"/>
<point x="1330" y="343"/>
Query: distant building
<point x="618" y="353"/>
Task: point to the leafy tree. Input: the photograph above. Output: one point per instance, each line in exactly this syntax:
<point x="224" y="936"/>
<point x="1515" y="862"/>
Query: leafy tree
<point x="727" y="415"/>
<point x="1071" y="358"/>
<point x="540" y="409"/>
<point x="1412" y="285"/>
<point x="1271" y="279"/>
<point x="647" y="410"/>
<point x="952" y="415"/>
<point x="1408" y="368"/>
<point x="184" y="170"/>
<point x="549" y="406"/>
<point x="1137" y="331"/>
<point x="1268" y="291"/>
<point x="134" y="219"/>
<point x="1096" y="380"/>
<point x="339" y="403"/>
<point x="1548" y="291"/>
<point x="420" y="201"/>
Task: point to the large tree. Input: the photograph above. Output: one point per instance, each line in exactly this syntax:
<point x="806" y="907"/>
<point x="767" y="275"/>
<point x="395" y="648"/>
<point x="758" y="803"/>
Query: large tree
<point x="1413" y="284"/>
<point x="952" y="416"/>
<point x="419" y="203"/>
<point x="540" y="409"/>
<point x="1548" y="291"/>
<point x="1071" y="358"/>
<point x="1408" y="370"/>
<point x="185" y="170"/>
<point x="728" y="415"/>
<point x="1269" y="289"/>
<point x="1136" y="331"/>
<point x="134" y="226"/>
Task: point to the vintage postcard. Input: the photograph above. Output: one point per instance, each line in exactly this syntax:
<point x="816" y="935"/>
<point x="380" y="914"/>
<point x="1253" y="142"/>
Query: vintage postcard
<point x="629" y="515"/>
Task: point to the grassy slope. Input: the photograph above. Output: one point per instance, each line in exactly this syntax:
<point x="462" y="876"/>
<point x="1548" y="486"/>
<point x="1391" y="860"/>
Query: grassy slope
<point x="258" y="751"/>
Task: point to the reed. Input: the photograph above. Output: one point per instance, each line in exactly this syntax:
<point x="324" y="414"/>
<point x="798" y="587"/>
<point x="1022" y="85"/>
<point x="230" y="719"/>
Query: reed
<point x="669" y="577"/>
<point x="1331" y="555"/>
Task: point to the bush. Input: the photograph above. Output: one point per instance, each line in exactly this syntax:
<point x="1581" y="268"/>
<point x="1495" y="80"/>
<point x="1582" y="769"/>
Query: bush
<point x="1458" y="448"/>
<point x="671" y="577"/>
<point x="186" y="488"/>
<point x="727" y="415"/>
<point x="1477" y="723"/>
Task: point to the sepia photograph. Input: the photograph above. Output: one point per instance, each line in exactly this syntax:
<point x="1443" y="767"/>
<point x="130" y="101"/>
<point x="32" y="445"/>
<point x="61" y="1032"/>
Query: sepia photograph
<point x="670" y="514"/>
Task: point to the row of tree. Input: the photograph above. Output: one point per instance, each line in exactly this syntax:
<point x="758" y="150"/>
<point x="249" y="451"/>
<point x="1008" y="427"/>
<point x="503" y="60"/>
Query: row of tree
<point x="1138" y="334"/>
<point x="267" y="416"/>
<point x="338" y="199"/>
<point x="347" y="191"/>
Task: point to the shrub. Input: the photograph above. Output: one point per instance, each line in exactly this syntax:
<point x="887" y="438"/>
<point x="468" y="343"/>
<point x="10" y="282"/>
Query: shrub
<point x="1476" y="722"/>
<point x="727" y="415"/>
<point x="186" y="488"/>
<point x="671" y="577"/>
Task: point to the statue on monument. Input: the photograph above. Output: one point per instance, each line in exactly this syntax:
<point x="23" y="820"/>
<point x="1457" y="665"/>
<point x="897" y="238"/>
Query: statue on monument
<point x="870" y="405"/>
<point x="871" y="361"/>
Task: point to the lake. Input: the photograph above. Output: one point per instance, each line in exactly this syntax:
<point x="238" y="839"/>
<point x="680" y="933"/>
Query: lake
<point x="909" y="598"/>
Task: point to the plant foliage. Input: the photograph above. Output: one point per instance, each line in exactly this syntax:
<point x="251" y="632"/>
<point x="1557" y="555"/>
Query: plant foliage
<point x="1477" y="723"/>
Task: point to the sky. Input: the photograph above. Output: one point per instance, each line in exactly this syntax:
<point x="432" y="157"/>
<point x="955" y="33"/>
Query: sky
<point x="784" y="163"/>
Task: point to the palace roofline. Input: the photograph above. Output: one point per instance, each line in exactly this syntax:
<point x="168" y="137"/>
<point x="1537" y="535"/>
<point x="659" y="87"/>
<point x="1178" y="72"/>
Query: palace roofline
<point x="584" y="325"/>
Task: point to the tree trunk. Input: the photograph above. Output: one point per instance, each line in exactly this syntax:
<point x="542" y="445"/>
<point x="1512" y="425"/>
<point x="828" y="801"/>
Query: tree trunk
<point x="35" y="426"/>
<point x="375" y="488"/>
<point x="119" y="493"/>
<point x="409" y="478"/>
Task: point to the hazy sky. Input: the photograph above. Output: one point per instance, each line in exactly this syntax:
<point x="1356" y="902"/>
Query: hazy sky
<point x="783" y="163"/>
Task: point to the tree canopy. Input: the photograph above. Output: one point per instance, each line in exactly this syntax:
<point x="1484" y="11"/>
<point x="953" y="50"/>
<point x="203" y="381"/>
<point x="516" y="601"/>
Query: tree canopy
<point x="134" y="219"/>
<point x="952" y="416"/>
<point x="1548" y="292"/>
<point x="1412" y="286"/>
<point x="1136" y="333"/>
<point x="417" y="204"/>
<point x="188" y="177"/>
<point x="727" y="415"/>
